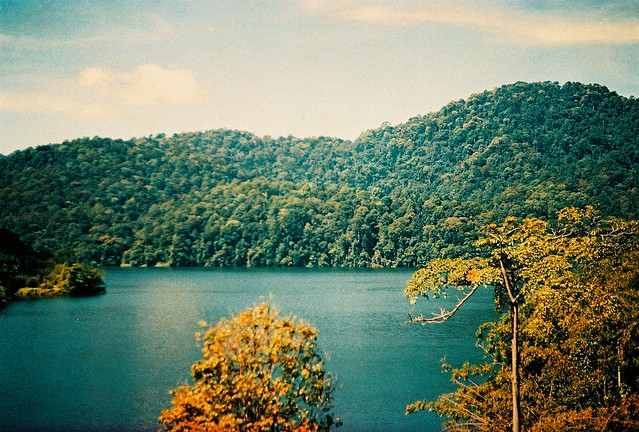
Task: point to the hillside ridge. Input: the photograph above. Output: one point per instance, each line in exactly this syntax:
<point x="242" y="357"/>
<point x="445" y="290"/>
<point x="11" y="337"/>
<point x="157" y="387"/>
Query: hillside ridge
<point x="398" y="195"/>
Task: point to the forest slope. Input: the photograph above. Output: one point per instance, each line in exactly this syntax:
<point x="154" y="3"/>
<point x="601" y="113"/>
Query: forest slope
<point x="397" y="196"/>
<point x="27" y="273"/>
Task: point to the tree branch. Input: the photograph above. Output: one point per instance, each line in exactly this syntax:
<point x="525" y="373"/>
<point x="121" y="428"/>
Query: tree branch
<point x="443" y="314"/>
<point x="509" y="288"/>
<point x="618" y="233"/>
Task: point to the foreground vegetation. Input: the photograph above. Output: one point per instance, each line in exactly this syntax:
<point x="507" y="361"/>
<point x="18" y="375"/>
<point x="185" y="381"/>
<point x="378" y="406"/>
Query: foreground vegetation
<point x="397" y="196"/>
<point x="565" y="354"/>
<point x="260" y="372"/>
<point x="27" y="273"/>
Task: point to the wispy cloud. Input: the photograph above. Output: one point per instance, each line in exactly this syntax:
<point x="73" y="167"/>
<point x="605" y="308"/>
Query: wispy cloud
<point x="148" y="85"/>
<point x="45" y="43"/>
<point x="154" y="29"/>
<point x="100" y="93"/>
<point x="51" y="104"/>
<point x="508" y="25"/>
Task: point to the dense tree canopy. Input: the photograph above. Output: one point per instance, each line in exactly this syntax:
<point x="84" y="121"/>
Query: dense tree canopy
<point x="259" y="372"/>
<point x="568" y="344"/>
<point x="397" y="196"/>
<point x="27" y="273"/>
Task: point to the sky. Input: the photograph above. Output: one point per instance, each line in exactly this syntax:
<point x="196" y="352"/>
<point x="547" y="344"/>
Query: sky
<point x="133" y="68"/>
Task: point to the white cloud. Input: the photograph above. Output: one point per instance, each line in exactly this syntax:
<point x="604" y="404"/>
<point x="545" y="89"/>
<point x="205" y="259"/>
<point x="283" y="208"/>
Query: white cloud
<point x="514" y="26"/>
<point x="149" y="85"/>
<point x="102" y="93"/>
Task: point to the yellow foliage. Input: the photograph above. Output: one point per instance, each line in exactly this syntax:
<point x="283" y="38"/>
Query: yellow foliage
<point x="67" y="279"/>
<point x="259" y="372"/>
<point x="573" y="286"/>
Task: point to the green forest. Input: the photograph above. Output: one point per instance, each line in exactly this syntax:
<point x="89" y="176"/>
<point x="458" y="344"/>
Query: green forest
<point x="397" y="196"/>
<point x="26" y="273"/>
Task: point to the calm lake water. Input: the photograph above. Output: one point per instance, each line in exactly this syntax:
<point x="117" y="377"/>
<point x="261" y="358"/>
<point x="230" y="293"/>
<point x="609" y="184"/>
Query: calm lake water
<point x="107" y="363"/>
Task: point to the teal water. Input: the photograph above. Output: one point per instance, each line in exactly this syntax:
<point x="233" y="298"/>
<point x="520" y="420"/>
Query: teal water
<point x="107" y="363"/>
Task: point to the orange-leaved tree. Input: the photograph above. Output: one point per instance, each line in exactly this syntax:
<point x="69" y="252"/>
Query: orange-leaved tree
<point x="565" y="350"/>
<point x="259" y="372"/>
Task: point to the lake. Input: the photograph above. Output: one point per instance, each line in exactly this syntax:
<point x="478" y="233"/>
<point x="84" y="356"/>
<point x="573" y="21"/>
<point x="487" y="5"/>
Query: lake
<point x="106" y="363"/>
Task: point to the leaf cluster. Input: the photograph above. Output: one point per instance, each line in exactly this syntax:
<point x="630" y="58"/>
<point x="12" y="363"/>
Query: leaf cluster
<point x="579" y="285"/>
<point x="259" y="372"/>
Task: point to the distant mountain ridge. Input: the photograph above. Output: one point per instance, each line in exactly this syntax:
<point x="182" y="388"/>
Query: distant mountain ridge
<point x="396" y="196"/>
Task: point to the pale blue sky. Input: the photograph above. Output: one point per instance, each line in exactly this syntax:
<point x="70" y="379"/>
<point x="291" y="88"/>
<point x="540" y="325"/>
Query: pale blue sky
<point x="125" y="68"/>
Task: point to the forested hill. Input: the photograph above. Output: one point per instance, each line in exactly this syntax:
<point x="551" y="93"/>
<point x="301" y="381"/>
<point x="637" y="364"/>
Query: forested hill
<point x="396" y="196"/>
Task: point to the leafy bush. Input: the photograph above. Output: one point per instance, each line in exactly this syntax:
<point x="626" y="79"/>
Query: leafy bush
<point x="73" y="280"/>
<point x="259" y="372"/>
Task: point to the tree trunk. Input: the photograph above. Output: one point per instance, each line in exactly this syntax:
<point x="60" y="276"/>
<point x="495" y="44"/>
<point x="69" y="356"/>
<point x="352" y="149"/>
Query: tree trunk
<point x="514" y="345"/>
<point x="514" y="311"/>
